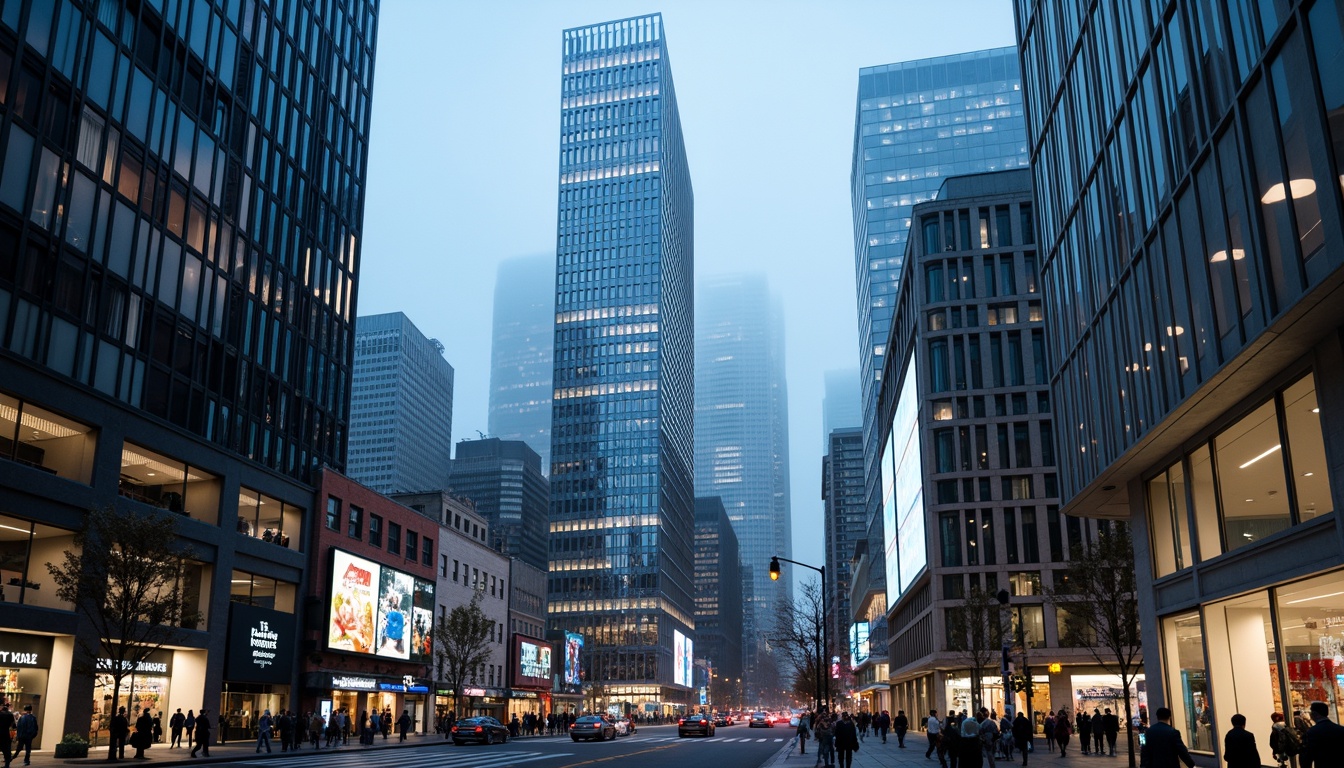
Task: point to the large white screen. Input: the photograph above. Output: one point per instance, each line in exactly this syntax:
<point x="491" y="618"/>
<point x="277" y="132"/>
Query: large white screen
<point x="905" y="544"/>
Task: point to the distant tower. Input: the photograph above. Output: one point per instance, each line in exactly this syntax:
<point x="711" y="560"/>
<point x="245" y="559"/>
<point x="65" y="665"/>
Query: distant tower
<point x="840" y="404"/>
<point x="401" y="410"/>
<point x="504" y="478"/>
<point x="742" y="438"/>
<point x="520" y="353"/>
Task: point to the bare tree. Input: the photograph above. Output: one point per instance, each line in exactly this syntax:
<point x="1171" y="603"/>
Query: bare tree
<point x="796" y="640"/>
<point x="124" y="574"/>
<point x="462" y="645"/>
<point x="1100" y="612"/>
<point x="975" y="631"/>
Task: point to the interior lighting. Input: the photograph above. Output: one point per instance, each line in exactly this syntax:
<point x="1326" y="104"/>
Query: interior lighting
<point x="1237" y="255"/>
<point x="12" y="528"/>
<point x="1298" y="188"/>
<point x="1313" y="597"/>
<point x="1261" y="456"/>
<point x="1177" y="331"/>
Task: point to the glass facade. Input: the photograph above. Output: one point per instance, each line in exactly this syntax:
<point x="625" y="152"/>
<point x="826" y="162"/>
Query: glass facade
<point x="401" y="407"/>
<point x="622" y="505"/>
<point x="522" y="345"/>
<point x="503" y="478"/>
<point x="742" y="439"/>
<point x="916" y="124"/>
<point x="842" y="496"/>
<point x="718" y="596"/>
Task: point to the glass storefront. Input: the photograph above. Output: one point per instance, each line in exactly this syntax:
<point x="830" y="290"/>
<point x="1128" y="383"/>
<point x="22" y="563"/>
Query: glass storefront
<point x="242" y="706"/>
<point x="146" y="687"/>
<point x="1188" y="679"/>
<point x="25" y="661"/>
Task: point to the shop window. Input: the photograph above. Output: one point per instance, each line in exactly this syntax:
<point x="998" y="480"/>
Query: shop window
<point x="1302" y="420"/>
<point x="268" y="519"/>
<point x="25" y="549"/>
<point x="1187" y="680"/>
<point x="41" y="439"/>
<point x="1240" y="640"/>
<point x="1252" y="486"/>
<point x="1168" y="522"/>
<point x="165" y="482"/>
<point x="1311" y="635"/>
<point x="261" y="591"/>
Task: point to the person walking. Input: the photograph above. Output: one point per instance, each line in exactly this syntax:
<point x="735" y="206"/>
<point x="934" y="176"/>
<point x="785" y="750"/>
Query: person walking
<point x="223" y="726"/>
<point x="900" y="725"/>
<point x="863" y="722"/>
<point x="989" y="736"/>
<point x="284" y="729"/>
<point x="404" y="724"/>
<point x="1098" y="732"/>
<point x="1239" y="750"/>
<point x="7" y="725"/>
<point x="316" y="725"/>
<point x="387" y="722"/>
<point x="1063" y="730"/>
<point x="1110" y="724"/>
<point x="1283" y="741"/>
<point x="158" y="727"/>
<point x="144" y="734"/>
<point x="120" y="729"/>
<point x="365" y="730"/>
<point x="1162" y="746"/>
<point x="933" y="730"/>
<point x="264" y="726"/>
<point x="846" y="738"/>
<point x="823" y="729"/>
<point x="201" y="735"/>
<point x="952" y="738"/>
<point x="1083" y="722"/>
<point x="1022" y="735"/>
<point x="1324" y="744"/>
<point x="1049" y="731"/>
<point x="25" y="731"/>
<point x="175" y="724"/>
<point x="804" y="730"/>
<point x="971" y="754"/>
<point x="189" y="725"/>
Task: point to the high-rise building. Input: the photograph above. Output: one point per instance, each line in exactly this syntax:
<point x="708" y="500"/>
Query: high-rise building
<point x="622" y="504"/>
<point x="504" y="478"/>
<point x="177" y="286"/>
<point x="718" y="594"/>
<point x="840" y="404"/>
<point x="917" y="123"/>
<point x="401" y="409"/>
<point x="742" y="439"/>
<point x="522" y="340"/>
<point x="1188" y="172"/>
<point x="846" y="521"/>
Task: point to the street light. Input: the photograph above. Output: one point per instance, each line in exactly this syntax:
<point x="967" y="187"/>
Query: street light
<point x="1026" y="664"/>
<point x="823" y="642"/>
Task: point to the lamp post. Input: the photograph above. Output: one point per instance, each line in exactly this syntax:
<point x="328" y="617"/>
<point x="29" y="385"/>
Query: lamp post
<point x="1026" y="663"/>
<point x="824" y="641"/>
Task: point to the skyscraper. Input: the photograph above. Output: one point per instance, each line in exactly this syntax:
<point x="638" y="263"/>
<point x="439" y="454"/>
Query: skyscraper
<point x="718" y="596"/>
<point x="1188" y="170"/>
<point x="177" y="285"/>
<point x="401" y="411"/>
<point x="622" y="505"/>
<point x="846" y="522"/>
<point x="523" y="337"/>
<point x="840" y="404"/>
<point x="742" y="438"/>
<point x="916" y="123"/>
<point x="504" y="478"/>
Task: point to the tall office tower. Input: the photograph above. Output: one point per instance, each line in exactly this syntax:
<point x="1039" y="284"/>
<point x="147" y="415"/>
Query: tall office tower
<point x="401" y="410"/>
<point x="718" y="596"/>
<point x="839" y="404"/>
<point x="916" y="123"/>
<point x="846" y="521"/>
<point x="1188" y="172"/>
<point x="177" y="280"/>
<point x="504" y="478"/>
<point x="622" y="503"/>
<point x="742" y="439"/>
<point x="520" y="353"/>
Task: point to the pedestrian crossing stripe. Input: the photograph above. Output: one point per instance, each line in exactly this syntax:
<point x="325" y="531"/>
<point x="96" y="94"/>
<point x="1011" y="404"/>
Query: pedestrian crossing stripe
<point x="468" y="757"/>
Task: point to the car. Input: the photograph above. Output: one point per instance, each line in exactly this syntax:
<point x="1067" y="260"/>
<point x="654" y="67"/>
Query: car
<point x="760" y="720"/>
<point x="695" y="725"/>
<point x="592" y="728"/>
<point x="484" y="730"/>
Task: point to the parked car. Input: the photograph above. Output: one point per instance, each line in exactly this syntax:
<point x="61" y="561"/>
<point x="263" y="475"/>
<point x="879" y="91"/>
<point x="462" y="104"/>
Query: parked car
<point x="592" y="728"/>
<point x="484" y="730"/>
<point x="695" y="725"/>
<point x="760" y="720"/>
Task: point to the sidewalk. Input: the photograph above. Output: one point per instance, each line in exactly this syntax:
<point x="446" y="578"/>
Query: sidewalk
<point x="874" y="754"/>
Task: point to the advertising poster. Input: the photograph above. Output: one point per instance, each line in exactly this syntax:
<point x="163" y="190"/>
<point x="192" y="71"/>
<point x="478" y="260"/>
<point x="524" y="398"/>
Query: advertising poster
<point x="354" y="603"/>
<point x="534" y="662"/>
<point x="573" y="653"/>
<point x="682" y="654"/>
<point x="422" y="624"/>
<point x="395" y="593"/>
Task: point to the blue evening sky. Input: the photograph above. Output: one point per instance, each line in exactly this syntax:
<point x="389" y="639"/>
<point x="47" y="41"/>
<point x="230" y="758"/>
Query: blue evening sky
<point x="463" y="164"/>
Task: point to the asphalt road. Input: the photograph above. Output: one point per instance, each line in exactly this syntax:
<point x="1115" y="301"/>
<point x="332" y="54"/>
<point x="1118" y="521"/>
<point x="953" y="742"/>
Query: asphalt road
<point x="652" y="747"/>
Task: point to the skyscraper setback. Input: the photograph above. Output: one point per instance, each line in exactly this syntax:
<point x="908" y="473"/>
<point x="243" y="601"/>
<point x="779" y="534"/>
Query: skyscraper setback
<point x="622" y="504"/>
<point x="521" y="346"/>
<point x="742" y="438"/>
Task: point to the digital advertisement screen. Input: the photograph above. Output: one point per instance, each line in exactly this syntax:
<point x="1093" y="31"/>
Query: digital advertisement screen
<point x="682" y="654"/>
<point x="906" y="538"/>
<point x="378" y="610"/>
<point x="261" y="644"/>
<point x="858" y="642"/>
<point x="534" y="661"/>
<point x="890" y="557"/>
<point x="573" y="656"/>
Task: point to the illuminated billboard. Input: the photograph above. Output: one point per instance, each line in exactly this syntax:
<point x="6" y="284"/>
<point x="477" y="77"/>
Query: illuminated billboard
<point x="573" y="655"/>
<point x="534" y="662"/>
<point x="682" y="654"/>
<point x="376" y="610"/>
<point x="858" y="643"/>
<point x="903" y="518"/>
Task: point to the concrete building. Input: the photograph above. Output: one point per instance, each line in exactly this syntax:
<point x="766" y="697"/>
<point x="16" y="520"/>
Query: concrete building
<point x="503" y="478"/>
<point x="522" y="343"/>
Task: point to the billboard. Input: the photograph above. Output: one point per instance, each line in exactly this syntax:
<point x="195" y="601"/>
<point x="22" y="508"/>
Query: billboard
<point x="377" y="610"/>
<point x="903" y="509"/>
<point x="858" y="643"/>
<point x="261" y="645"/>
<point x="534" y="662"/>
<point x="682" y="654"/>
<point x="573" y="654"/>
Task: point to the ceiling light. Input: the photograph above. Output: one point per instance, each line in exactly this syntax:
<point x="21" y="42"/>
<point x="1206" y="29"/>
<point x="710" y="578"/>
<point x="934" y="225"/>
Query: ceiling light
<point x="1298" y="188"/>
<point x="1176" y="332"/>
<point x="1313" y="597"/>
<point x="1248" y="501"/>
<point x="12" y="528"/>
<point x="1237" y="255"/>
<point x="1261" y="456"/>
<point x="1308" y="474"/>
<point x="1315" y="410"/>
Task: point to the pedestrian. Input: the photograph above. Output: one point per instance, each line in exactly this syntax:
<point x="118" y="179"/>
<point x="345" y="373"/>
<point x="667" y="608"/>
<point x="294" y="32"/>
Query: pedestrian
<point x="933" y="730"/>
<point x="952" y="739"/>
<point x="1110" y="723"/>
<point x="1022" y="735"/>
<point x="989" y="736"/>
<point x="264" y="726"/>
<point x="284" y="728"/>
<point x="1162" y="745"/>
<point x="1239" y="750"/>
<point x="365" y="732"/>
<point x="1324" y="745"/>
<point x="158" y="727"/>
<point x="1084" y="724"/>
<point x="25" y="731"/>
<point x="1049" y="731"/>
<point x="223" y="727"/>
<point x="404" y="724"/>
<point x="515" y="727"/>
<point x="119" y="730"/>
<point x="190" y="725"/>
<point x="316" y="725"/>
<point x="845" y="735"/>
<point x="901" y="724"/>
<point x="804" y="730"/>
<point x="7" y="725"/>
<point x="144" y="734"/>
<point x="972" y="756"/>
<point x="1063" y="730"/>
<point x="175" y="724"/>
<point x="864" y="721"/>
<point x="387" y="722"/>
<point x="883" y="721"/>
<point x="1283" y="741"/>
<point x="201" y="735"/>
<point x="1098" y="731"/>
<point x="823" y="729"/>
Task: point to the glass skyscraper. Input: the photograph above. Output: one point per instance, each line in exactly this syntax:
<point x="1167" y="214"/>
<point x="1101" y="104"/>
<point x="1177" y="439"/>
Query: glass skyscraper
<point x="742" y="440"/>
<point x="622" y="503"/>
<point x="401" y="410"/>
<point x="521" y="346"/>
<point x="917" y="123"/>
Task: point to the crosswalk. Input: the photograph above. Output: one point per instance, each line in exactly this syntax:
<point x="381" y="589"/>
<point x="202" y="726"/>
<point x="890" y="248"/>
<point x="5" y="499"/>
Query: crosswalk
<point x="723" y="739"/>
<point x="452" y="757"/>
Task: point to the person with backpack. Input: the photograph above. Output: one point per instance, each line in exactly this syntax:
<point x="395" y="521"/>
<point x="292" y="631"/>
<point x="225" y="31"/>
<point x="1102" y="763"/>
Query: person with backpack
<point x="25" y="732"/>
<point x="1283" y="740"/>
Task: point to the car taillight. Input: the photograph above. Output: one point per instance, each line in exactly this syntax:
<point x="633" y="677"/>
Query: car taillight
<point x="597" y="725"/>
<point x="479" y="729"/>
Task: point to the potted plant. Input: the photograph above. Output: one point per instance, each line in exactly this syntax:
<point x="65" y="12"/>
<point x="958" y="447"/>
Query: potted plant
<point x="73" y="745"/>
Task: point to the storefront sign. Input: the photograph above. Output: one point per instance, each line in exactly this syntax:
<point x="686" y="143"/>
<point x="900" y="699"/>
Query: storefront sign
<point x="522" y="695"/>
<point x="261" y="645"/>
<point x="403" y="688"/>
<point x="352" y="683"/>
<point x="473" y="691"/>
<point x="18" y="650"/>
<point x="140" y="667"/>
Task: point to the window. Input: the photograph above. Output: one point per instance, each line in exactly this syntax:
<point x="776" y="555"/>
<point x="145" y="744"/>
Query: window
<point x="268" y="519"/>
<point x="355" y="528"/>
<point x="954" y="586"/>
<point x="25" y="548"/>
<point x="1024" y="583"/>
<point x="165" y="482"/>
<point x="376" y="530"/>
<point x="1187" y="679"/>
<point x="393" y="537"/>
<point x="262" y="592"/>
<point x="1167" y="521"/>
<point x="333" y="513"/>
<point x="44" y="440"/>
<point x="455" y="568"/>
<point x="412" y="545"/>
<point x="443" y="565"/>
<point x="427" y="554"/>
<point x="475" y="578"/>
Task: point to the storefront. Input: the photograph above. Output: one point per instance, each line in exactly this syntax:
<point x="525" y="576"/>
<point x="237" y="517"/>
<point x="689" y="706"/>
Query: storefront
<point x="530" y="674"/>
<point x="25" y="671"/>
<point x="145" y="686"/>
<point x="365" y="693"/>
<point x="258" y="668"/>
